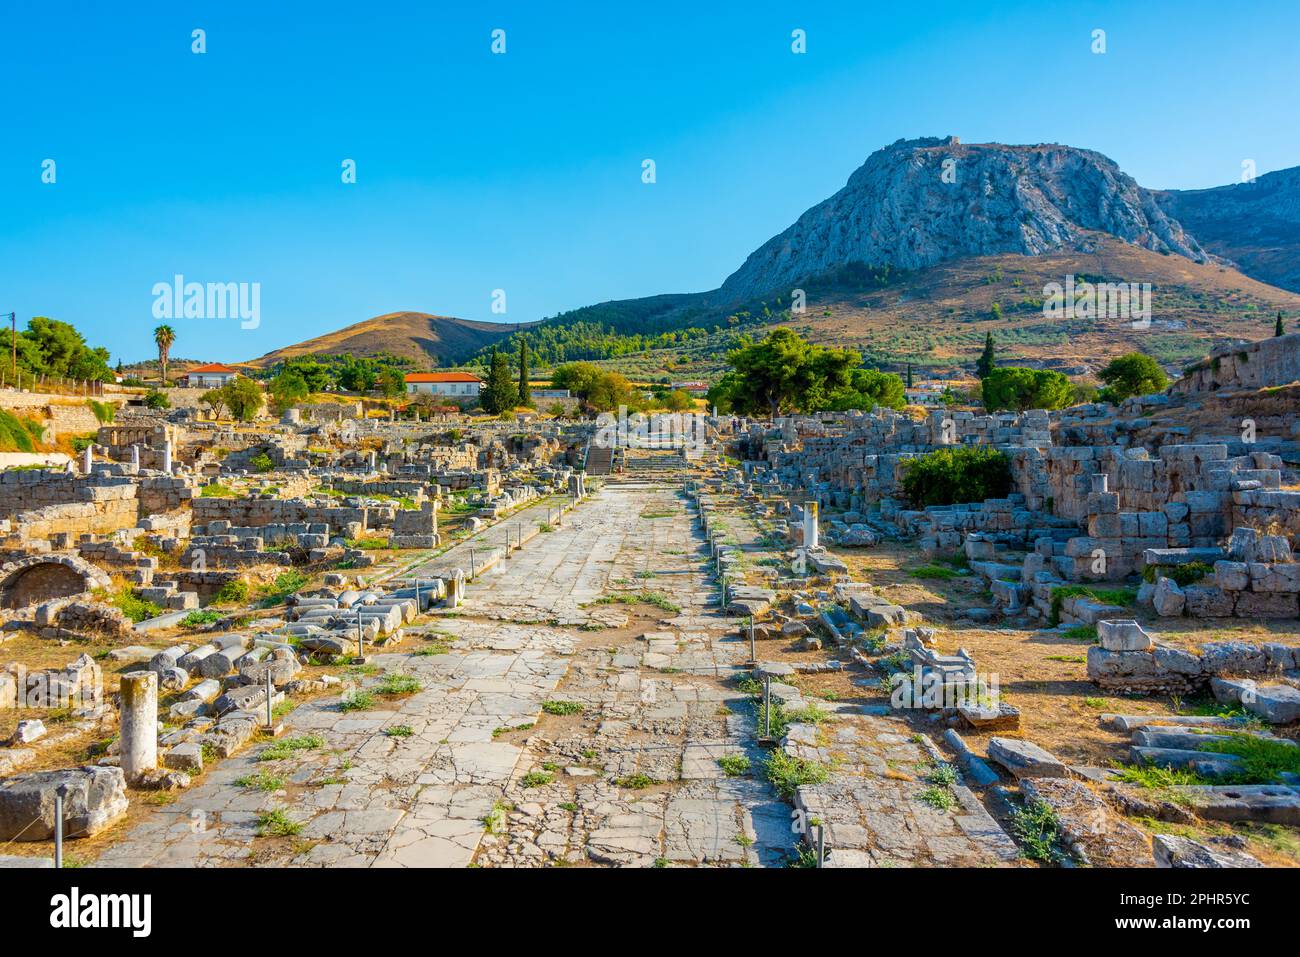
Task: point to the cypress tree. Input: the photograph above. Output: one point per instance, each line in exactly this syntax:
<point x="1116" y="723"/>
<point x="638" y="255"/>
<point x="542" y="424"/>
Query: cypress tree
<point x="525" y="393"/>
<point x="1279" y="330"/>
<point x="984" y="364"/>
<point x="909" y="375"/>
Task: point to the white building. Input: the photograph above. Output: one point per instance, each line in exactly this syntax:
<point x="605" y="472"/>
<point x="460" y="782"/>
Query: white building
<point x="211" y="376"/>
<point x="455" y="385"/>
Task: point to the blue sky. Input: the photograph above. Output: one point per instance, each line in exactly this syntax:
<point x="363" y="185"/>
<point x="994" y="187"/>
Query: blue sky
<point x="522" y="171"/>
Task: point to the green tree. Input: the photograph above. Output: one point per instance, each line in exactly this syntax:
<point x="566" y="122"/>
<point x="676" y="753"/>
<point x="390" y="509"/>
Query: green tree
<point x="1279" y="329"/>
<point x="392" y="383"/>
<point x="986" y="362"/>
<point x="678" y="400"/>
<point x="909" y="375"/>
<point x="499" y="392"/>
<point x="868" y="389"/>
<point x="215" y="399"/>
<point x="1129" y="375"/>
<point x="287" y="388"/>
<point x="525" y="393"/>
<point x="164" y="338"/>
<point x="243" y="398"/>
<point x="1020" y="389"/>
<point x="53" y="348"/>
<point x="157" y="399"/>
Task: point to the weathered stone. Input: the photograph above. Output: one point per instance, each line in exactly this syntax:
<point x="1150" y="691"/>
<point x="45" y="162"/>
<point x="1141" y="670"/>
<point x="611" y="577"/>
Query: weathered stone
<point x="96" y="797"/>
<point x="1025" y="759"/>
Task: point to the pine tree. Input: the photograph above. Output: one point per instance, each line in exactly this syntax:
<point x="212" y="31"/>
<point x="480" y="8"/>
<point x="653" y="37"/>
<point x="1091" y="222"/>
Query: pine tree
<point x="985" y="363"/>
<point x="525" y="394"/>
<point x="499" y="393"/>
<point x="1279" y="329"/>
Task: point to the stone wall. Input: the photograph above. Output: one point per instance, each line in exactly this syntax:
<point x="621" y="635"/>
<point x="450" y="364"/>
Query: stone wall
<point x="1254" y="365"/>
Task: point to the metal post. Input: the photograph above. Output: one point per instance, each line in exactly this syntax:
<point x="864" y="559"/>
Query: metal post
<point x="753" y="653"/>
<point x="821" y="845"/>
<point x="270" y="717"/>
<point x="418" y="609"/>
<point x="471" y="563"/>
<point x="59" y="794"/>
<point x="767" y="706"/>
<point x="361" y="638"/>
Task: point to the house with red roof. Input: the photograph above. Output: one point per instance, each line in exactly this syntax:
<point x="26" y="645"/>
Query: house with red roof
<point x="211" y="376"/>
<point x="459" y="385"/>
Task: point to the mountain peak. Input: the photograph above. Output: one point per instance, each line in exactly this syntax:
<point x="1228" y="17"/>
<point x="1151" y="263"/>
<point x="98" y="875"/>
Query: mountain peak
<point x="924" y="201"/>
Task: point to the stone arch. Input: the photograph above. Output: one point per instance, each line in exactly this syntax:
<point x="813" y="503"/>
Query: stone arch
<point x="39" y="578"/>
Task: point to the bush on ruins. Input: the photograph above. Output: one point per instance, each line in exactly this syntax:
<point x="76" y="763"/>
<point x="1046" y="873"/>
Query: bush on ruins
<point x="1020" y="389"/>
<point x="953" y="476"/>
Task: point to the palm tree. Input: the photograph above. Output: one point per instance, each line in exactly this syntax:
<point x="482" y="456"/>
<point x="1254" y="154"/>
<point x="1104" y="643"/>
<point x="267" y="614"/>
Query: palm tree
<point x="163" y="337"/>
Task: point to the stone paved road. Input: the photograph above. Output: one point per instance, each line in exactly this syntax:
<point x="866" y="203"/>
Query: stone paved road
<point x="366" y="798"/>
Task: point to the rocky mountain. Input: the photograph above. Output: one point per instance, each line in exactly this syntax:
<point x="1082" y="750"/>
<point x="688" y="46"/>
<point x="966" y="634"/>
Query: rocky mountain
<point x="1255" y="225"/>
<point x="922" y="202"/>
<point x="428" y="339"/>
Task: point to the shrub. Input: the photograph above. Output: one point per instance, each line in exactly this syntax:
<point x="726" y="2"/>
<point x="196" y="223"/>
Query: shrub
<point x="1183" y="575"/>
<point x="1020" y="389"/>
<point x="155" y="399"/>
<point x="261" y="462"/>
<point x="955" y="476"/>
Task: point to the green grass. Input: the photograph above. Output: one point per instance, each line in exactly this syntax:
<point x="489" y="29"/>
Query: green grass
<point x="288" y="747"/>
<point x="233" y="592"/>
<point x="734" y="765"/>
<point x="196" y="619"/>
<point x="636" y="782"/>
<point x="356" y="700"/>
<point x="260" y="781"/>
<point x="1156" y="778"/>
<point x="562" y="707"/>
<point x="395" y="684"/>
<point x="1069" y="659"/>
<point x="129" y="603"/>
<point x="277" y="824"/>
<point x="657" y="599"/>
<point x="788" y="773"/>
<point x="933" y="572"/>
<point x="1086" y="633"/>
<point x="1263" y="760"/>
<point x="399" y="731"/>
<point x="1122" y="597"/>
<point x="285" y="584"/>
<point x="497" y="732"/>
<point x="368" y="543"/>
<point x="216" y="490"/>
<point x="536" y="779"/>
<point x="1098" y="703"/>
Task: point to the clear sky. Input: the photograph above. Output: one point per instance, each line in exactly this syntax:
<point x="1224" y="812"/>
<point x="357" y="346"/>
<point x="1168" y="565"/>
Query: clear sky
<point x="523" y="171"/>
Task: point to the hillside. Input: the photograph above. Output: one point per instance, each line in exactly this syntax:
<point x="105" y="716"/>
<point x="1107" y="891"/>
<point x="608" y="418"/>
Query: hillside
<point x="426" y="339"/>
<point x="1255" y="225"/>
<point x="918" y="203"/>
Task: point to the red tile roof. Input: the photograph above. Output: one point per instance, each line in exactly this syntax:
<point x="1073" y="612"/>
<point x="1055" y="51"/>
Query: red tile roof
<point x="442" y="377"/>
<point x="212" y="367"/>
